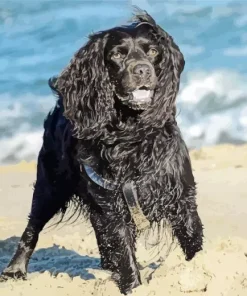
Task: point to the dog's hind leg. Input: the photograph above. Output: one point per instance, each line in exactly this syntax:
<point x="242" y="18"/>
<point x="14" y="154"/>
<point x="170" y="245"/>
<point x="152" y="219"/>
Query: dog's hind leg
<point x="116" y="241"/>
<point x="47" y="201"/>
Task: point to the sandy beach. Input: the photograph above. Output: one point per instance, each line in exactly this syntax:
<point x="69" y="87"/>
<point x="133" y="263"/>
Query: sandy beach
<point x="66" y="259"/>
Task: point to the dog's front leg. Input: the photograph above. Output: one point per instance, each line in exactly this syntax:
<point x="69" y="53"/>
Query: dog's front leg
<point x="116" y="242"/>
<point x="17" y="268"/>
<point x="189" y="231"/>
<point x="183" y="215"/>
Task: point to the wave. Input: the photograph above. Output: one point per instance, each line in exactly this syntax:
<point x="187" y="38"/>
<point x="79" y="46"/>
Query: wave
<point x="20" y="146"/>
<point x="212" y="109"/>
<point x="21" y="122"/>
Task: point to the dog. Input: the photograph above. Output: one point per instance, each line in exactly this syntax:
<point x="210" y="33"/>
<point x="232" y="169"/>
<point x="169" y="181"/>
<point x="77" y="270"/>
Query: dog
<point x="112" y="146"/>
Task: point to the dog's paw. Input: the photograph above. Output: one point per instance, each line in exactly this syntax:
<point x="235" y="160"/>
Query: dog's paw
<point x="14" y="274"/>
<point x="192" y="248"/>
<point x="191" y="254"/>
<point x="125" y="286"/>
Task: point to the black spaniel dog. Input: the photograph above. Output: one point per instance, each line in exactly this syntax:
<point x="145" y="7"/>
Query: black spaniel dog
<point x="112" y="146"/>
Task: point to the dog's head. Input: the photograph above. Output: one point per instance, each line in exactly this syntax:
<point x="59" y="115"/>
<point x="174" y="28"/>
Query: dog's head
<point x="135" y="67"/>
<point x="132" y="58"/>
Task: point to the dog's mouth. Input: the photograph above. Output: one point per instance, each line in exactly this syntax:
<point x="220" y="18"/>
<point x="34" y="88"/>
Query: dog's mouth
<point x="141" y="96"/>
<point x="139" y="99"/>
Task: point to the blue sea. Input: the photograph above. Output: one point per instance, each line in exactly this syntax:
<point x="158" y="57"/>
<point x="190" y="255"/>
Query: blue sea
<point x="38" y="38"/>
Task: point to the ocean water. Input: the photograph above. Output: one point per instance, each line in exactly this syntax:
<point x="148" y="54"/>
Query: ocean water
<point x="38" y="38"/>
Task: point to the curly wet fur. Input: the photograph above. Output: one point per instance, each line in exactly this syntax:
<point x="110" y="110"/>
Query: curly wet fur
<point x="84" y="128"/>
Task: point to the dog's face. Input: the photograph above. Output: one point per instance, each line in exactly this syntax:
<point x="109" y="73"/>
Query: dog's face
<point x="132" y="58"/>
<point x="125" y="72"/>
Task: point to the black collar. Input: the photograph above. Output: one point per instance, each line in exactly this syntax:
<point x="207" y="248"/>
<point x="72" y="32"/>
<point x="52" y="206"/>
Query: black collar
<point x="99" y="180"/>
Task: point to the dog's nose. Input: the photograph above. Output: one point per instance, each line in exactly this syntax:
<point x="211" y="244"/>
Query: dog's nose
<point x="142" y="70"/>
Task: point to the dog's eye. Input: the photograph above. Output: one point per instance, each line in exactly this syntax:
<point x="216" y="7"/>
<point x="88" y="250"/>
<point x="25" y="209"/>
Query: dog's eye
<point x="152" y="52"/>
<point x="117" y="56"/>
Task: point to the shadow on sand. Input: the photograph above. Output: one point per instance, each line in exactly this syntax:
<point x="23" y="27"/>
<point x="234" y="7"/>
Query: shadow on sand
<point x="54" y="259"/>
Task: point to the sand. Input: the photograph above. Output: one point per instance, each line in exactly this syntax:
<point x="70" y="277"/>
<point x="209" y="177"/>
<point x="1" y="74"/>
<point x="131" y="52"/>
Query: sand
<point x="66" y="259"/>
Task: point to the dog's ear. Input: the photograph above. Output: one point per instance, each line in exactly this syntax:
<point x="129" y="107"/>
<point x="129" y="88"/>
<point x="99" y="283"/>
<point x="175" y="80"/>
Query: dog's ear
<point x="171" y="66"/>
<point x="173" y="57"/>
<point x="85" y="88"/>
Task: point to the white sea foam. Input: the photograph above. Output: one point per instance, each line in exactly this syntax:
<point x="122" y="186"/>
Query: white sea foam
<point x="21" y="146"/>
<point x="21" y="126"/>
<point x="226" y="85"/>
<point x="213" y="108"/>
